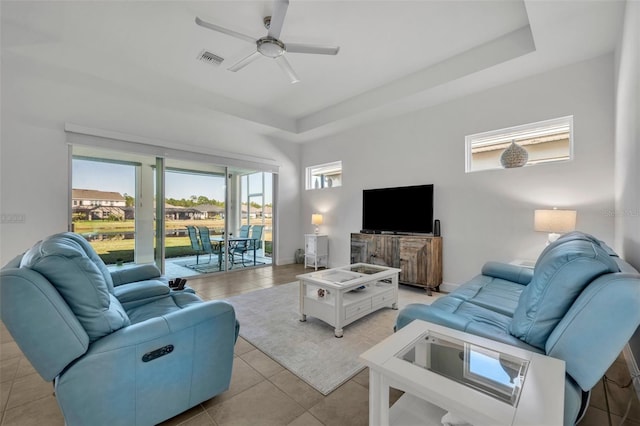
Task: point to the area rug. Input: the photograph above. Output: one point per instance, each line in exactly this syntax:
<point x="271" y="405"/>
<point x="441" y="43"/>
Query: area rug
<point x="269" y="320"/>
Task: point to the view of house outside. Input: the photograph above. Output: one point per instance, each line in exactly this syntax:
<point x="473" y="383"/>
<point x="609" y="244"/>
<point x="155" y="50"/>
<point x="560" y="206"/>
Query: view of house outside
<point x="103" y="209"/>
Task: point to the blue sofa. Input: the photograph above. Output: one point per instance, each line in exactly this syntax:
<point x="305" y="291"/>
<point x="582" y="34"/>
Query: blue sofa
<point x="121" y="348"/>
<point x="581" y="304"/>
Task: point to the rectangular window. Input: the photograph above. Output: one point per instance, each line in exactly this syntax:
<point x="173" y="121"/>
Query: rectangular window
<point x="536" y="143"/>
<point x="327" y="175"/>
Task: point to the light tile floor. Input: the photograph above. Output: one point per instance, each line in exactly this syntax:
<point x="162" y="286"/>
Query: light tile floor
<point x="262" y="392"/>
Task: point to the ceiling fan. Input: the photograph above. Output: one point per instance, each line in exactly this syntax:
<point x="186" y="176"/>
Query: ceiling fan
<point x="271" y="46"/>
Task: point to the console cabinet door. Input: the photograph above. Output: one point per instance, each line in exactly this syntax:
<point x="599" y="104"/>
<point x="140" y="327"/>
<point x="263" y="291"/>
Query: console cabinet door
<point x="414" y="260"/>
<point x="374" y="249"/>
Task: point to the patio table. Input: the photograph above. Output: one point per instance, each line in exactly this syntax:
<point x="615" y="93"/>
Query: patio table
<point x="232" y="243"/>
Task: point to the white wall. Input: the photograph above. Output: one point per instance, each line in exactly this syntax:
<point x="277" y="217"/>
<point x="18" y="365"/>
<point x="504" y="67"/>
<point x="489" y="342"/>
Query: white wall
<point x="485" y="215"/>
<point x="627" y="154"/>
<point x="36" y="102"/>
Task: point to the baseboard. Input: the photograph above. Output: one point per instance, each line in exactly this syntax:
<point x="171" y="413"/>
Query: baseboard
<point x="448" y="287"/>
<point x="634" y="371"/>
<point x="285" y="261"/>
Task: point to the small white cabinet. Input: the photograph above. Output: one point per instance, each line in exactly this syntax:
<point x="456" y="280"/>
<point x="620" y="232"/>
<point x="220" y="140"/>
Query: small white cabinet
<point x="316" y="250"/>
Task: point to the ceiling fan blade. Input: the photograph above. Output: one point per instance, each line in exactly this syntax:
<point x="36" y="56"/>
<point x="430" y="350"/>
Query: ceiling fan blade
<point x="311" y="48"/>
<point x="286" y="67"/>
<point x="277" y="17"/>
<point x="223" y="30"/>
<point x="245" y="61"/>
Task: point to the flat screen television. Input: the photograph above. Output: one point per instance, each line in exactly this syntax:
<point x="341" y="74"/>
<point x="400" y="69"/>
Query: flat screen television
<point x="406" y="209"/>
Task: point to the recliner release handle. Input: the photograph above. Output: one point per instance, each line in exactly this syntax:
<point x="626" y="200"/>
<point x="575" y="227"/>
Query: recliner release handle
<point x="150" y="356"/>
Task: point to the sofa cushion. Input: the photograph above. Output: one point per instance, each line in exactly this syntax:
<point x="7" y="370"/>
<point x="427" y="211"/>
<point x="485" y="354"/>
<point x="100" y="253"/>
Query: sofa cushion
<point x="496" y="294"/>
<point x="562" y="271"/>
<point x="63" y="260"/>
<point x="163" y="306"/>
<point x="464" y="316"/>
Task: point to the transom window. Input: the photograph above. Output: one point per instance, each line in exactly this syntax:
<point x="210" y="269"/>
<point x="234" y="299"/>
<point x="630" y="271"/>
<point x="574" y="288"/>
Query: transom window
<point x="544" y="142"/>
<point x="328" y="175"/>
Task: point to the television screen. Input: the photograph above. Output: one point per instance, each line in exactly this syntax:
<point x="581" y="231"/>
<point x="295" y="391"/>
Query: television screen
<point x="406" y="209"/>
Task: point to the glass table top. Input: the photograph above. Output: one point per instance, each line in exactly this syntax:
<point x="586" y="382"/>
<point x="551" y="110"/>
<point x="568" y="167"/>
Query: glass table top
<point x="366" y="269"/>
<point x="497" y="374"/>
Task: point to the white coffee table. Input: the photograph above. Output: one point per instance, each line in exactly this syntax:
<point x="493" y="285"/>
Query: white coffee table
<point x="342" y="295"/>
<point x="528" y="388"/>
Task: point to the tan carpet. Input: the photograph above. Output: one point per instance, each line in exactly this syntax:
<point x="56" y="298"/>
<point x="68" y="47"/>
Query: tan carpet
<point x="269" y="320"/>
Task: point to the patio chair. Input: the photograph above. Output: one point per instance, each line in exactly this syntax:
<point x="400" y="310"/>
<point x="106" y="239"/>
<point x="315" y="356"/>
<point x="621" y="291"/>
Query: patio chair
<point x="240" y="246"/>
<point x="255" y="243"/>
<point x="195" y="243"/>
<point x="205" y="242"/>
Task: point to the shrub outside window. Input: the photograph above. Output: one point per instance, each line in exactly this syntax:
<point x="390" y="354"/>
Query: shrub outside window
<point x="545" y="142"/>
<point x="327" y="175"/>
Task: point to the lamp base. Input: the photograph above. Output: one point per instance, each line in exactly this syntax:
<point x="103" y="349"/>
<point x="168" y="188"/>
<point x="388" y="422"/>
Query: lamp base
<point x="317" y="230"/>
<point x="552" y="237"/>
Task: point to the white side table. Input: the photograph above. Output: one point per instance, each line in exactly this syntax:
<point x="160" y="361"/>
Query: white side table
<point x="541" y="384"/>
<point x="316" y="250"/>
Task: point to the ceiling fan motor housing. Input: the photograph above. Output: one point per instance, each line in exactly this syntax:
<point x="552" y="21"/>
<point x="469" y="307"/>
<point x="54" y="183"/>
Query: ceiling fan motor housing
<point x="270" y="47"/>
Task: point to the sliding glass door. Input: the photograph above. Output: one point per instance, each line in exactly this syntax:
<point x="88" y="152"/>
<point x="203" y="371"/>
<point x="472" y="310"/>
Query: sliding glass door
<point x="103" y="206"/>
<point x="188" y="217"/>
<point x="194" y="218"/>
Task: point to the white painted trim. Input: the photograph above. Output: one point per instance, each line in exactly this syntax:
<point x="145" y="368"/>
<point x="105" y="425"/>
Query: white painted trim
<point x="162" y="148"/>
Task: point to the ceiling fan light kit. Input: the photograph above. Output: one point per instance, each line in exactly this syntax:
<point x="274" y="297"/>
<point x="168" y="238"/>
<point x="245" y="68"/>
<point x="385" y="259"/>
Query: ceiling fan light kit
<point x="271" y="46"/>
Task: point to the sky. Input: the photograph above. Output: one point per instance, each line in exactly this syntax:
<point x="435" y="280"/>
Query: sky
<point x="121" y="178"/>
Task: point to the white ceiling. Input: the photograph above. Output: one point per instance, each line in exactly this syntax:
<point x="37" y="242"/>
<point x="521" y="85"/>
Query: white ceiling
<point x="395" y="56"/>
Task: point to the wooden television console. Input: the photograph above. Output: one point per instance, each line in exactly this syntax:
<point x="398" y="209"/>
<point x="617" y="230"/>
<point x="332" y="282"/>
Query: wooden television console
<point x="418" y="256"/>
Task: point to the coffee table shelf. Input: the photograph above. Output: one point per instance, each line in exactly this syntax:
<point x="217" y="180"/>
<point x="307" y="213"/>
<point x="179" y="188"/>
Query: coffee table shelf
<point x="342" y="295"/>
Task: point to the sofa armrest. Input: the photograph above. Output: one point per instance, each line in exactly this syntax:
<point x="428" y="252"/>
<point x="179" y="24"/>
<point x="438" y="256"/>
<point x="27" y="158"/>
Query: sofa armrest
<point x="162" y="326"/>
<point x="141" y="292"/>
<point x="140" y="390"/>
<point x="509" y="272"/>
<point x="135" y="273"/>
<point x="40" y="321"/>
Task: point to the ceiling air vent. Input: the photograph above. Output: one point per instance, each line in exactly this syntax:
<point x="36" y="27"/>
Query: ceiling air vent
<point x="210" y="58"/>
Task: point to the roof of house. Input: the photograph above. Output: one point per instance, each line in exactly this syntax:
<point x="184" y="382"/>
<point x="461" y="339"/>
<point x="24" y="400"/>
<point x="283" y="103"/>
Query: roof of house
<point x="210" y="208"/>
<point x="93" y="194"/>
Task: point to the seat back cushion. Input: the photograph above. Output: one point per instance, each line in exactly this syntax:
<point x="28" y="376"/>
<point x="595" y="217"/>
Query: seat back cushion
<point x="91" y="254"/>
<point x="562" y="271"/>
<point x="63" y="260"/>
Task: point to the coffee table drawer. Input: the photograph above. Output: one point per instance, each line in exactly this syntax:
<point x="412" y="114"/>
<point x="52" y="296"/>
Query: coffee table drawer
<point x="382" y="299"/>
<point x="357" y="309"/>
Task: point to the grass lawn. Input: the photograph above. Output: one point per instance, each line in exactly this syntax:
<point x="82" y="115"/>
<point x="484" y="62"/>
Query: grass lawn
<point x="111" y="250"/>
<point x="115" y="248"/>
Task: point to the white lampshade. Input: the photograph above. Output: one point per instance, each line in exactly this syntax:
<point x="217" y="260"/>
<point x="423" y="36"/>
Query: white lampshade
<point x="555" y="222"/>
<point x="316" y="219"/>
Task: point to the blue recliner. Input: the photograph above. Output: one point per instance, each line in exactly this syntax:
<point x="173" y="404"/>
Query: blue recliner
<point x="581" y="304"/>
<point x="121" y="348"/>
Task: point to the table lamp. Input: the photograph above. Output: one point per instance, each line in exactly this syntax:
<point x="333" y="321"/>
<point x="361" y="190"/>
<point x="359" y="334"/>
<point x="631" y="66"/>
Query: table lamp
<point x="316" y="220"/>
<point x="555" y="222"/>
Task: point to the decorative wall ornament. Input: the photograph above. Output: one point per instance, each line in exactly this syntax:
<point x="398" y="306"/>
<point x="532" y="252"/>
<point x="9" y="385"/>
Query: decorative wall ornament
<point x="514" y="156"/>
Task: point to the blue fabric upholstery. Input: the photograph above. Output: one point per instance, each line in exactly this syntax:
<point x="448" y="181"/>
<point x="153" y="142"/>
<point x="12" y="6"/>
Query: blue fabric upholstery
<point x="580" y="305"/>
<point x="105" y="380"/>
